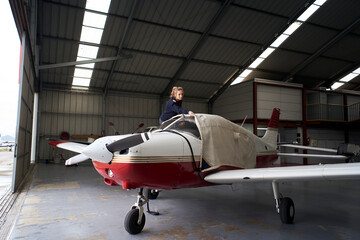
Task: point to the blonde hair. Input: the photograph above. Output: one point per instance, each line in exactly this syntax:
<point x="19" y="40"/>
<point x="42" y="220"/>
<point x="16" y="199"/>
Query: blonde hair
<point x="175" y="90"/>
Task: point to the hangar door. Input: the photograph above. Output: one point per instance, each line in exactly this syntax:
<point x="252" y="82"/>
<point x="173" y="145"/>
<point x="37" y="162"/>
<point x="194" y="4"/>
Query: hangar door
<point x="22" y="156"/>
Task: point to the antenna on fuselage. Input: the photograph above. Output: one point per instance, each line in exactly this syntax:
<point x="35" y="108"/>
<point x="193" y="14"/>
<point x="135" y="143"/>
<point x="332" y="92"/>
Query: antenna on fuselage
<point x="244" y="121"/>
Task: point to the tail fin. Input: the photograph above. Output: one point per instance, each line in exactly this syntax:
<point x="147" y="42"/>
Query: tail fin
<point x="270" y="136"/>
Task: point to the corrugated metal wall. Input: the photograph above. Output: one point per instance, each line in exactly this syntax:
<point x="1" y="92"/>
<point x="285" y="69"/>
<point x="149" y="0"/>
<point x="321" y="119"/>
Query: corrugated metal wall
<point x="75" y="113"/>
<point x="80" y="113"/>
<point x="25" y="116"/>
<point x="128" y="111"/>
<point x="289" y="100"/>
<point x="353" y="107"/>
<point x="236" y="102"/>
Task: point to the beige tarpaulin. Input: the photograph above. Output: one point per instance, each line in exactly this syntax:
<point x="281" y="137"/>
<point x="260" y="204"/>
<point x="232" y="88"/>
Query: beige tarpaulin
<point x="224" y="143"/>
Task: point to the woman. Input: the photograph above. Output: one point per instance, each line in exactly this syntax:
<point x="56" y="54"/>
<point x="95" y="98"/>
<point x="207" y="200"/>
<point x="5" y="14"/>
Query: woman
<point x="173" y="106"/>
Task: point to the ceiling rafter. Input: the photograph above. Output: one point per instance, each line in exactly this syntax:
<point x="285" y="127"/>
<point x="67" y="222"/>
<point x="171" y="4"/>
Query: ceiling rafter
<point x="178" y="57"/>
<point x="259" y="52"/>
<point x="120" y="48"/>
<point x="218" y="16"/>
<point x="339" y="75"/>
<point x="321" y="50"/>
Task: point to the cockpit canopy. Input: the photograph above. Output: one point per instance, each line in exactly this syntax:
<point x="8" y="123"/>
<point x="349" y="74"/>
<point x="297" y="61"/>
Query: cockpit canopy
<point x="182" y="123"/>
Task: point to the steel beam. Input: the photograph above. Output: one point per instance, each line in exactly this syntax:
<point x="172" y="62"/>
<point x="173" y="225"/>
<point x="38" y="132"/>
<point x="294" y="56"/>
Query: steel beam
<point x="259" y="52"/>
<point x="339" y="75"/>
<point x="219" y="15"/>
<point x="70" y="64"/>
<point x="120" y="48"/>
<point x="321" y="50"/>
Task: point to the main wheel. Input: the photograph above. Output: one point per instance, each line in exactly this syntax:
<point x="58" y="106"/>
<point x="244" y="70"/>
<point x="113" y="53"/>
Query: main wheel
<point x="151" y="193"/>
<point x="131" y="222"/>
<point x="287" y="210"/>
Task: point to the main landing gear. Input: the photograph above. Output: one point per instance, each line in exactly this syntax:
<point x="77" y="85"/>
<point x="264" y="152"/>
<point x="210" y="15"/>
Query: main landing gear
<point x="284" y="205"/>
<point x="135" y="219"/>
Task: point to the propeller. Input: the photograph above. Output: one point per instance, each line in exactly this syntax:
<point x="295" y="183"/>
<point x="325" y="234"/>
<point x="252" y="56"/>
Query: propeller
<point x="128" y="142"/>
<point x="76" y="159"/>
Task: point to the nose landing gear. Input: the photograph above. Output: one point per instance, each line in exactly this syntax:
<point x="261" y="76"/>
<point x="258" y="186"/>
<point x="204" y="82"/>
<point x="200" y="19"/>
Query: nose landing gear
<point x="135" y="219"/>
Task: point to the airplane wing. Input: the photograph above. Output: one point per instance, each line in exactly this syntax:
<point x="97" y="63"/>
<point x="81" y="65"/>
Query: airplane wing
<point x="71" y="146"/>
<point x="341" y="171"/>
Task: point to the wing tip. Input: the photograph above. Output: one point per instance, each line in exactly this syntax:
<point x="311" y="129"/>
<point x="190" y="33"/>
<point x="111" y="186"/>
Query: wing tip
<point x="55" y="143"/>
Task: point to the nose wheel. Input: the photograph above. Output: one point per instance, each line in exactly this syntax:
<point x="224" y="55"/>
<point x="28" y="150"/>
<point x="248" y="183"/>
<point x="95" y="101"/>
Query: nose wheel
<point x="135" y="219"/>
<point x="132" y="223"/>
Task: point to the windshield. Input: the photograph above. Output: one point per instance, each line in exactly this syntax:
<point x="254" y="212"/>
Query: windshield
<point x="182" y="123"/>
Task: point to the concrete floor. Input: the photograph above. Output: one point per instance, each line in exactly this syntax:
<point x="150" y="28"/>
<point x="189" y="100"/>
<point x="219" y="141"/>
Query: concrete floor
<point x="74" y="203"/>
<point x="6" y="169"/>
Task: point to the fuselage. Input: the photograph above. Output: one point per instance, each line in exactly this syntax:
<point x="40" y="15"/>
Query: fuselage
<point x="170" y="160"/>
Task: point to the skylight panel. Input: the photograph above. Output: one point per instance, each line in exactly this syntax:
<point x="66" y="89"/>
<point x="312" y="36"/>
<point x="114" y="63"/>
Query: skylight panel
<point x="320" y="2"/>
<point x="292" y="28"/>
<point x="245" y="73"/>
<point x="92" y="35"/>
<point x="94" y="20"/>
<point x="237" y="80"/>
<point x="279" y="40"/>
<point x="357" y="71"/>
<point x="349" y="77"/>
<point x="257" y="62"/>
<point x="310" y="11"/>
<point x="87" y="51"/>
<point x="267" y="52"/>
<point x="98" y="5"/>
<point x="336" y="85"/>
<point x="83" y="73"/>
<point x="83" y="82"/>
<point x="91" y="32"/>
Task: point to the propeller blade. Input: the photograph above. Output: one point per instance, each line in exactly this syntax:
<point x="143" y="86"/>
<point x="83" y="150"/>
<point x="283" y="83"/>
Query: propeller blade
<point x="128" y="142"/>
<point x="76" y="159"/>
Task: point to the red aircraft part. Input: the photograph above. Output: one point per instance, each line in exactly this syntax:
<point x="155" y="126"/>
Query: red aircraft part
<point x="151" y="175"/>
<point x="166" y="175"/>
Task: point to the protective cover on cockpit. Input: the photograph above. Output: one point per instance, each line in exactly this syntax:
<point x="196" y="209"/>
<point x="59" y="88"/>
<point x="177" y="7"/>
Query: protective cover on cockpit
<point x="225" y="143"/>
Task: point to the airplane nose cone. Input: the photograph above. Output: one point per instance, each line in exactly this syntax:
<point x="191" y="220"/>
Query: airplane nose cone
<point x="98" y="151"/>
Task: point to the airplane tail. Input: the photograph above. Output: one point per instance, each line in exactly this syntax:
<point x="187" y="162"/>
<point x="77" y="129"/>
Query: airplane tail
<point x="271" y="133"/>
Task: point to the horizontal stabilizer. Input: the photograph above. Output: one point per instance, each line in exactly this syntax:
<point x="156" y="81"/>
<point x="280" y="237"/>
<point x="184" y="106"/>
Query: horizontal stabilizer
<point x="71" y="146"/>
<point x="340" y="171"/>
<point x="300" y="155"/>
<point x="309" y="148"/>
<point x="76" y="159"/>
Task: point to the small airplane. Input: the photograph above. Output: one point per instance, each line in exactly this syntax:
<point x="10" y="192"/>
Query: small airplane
<point x="188" y="152"/>
<point x="6" y="144"/>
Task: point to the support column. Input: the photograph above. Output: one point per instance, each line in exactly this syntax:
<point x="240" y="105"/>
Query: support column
<point x="34" y="128"/>
<point x="255" y="117"/>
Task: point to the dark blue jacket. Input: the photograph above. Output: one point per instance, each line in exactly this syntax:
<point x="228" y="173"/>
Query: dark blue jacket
<point x="172" y="108"/>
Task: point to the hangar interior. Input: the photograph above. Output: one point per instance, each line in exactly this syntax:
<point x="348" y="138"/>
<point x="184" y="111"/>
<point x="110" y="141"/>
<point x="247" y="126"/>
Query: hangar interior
<point x="89" y="70"/>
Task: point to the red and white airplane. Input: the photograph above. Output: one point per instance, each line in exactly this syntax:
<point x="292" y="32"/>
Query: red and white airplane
<point x="204" y="150"/>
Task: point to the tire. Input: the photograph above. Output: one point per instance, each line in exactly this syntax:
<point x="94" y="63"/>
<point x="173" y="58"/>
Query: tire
<point x="131" y="222"/>
<point x="287" y="210"/>
<point x="151" y="193"/>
